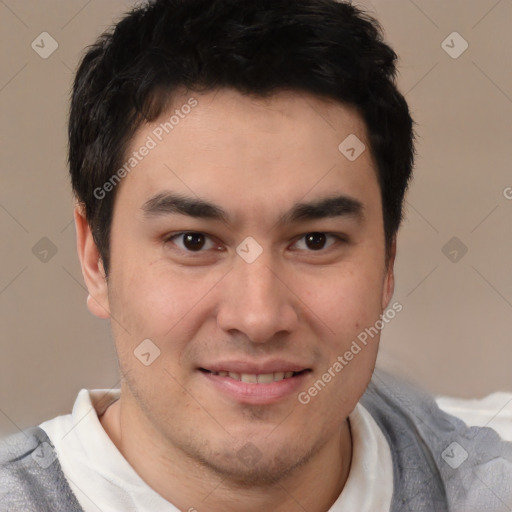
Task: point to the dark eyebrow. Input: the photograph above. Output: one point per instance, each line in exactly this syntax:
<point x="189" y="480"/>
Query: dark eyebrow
<point x="169" y="203"/>
<point x="334" y="206"/>
<point x="329" y="207"/>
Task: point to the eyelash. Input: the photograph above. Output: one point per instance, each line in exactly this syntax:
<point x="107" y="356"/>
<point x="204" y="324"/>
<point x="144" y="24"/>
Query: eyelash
<point x="340" y="238"/>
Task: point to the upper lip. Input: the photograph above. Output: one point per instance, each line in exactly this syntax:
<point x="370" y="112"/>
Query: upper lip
<point x="257" y="368"/>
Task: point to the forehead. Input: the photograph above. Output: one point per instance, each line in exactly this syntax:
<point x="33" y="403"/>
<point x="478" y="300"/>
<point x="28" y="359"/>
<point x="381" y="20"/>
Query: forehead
<point x="251" y="152"/>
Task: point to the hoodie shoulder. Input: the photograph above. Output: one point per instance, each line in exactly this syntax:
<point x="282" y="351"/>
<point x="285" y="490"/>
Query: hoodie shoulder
<point x="31" y="478"/>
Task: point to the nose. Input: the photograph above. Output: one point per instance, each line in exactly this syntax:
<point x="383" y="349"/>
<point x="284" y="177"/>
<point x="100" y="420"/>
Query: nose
<point x="258" y="301"/>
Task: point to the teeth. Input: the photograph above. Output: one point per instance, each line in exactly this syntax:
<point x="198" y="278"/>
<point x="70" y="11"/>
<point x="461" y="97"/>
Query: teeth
<point x="265" y="378"/>
<point x="249" y="377"/>
<point x="252" y="378"/>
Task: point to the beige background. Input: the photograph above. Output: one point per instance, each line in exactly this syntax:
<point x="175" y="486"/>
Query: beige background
<point x="454" y="334"/>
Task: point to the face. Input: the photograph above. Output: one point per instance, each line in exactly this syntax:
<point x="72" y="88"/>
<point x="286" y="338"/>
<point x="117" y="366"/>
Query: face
<point x="250" y="299"/>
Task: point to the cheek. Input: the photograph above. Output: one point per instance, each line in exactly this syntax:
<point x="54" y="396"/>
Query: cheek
<point x="152" y="300"/>
<point x="347" y="298"/>
<point x="146" y="306"/>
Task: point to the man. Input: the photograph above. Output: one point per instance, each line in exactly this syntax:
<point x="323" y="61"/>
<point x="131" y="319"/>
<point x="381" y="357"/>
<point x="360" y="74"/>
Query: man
<point x="239" y="170"/>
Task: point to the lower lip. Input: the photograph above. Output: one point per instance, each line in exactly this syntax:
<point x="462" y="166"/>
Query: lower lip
<point x="252" y="393"/>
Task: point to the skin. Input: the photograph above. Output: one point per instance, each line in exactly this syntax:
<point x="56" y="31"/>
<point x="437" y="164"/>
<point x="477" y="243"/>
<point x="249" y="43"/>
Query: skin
<point x="255" y="158"/>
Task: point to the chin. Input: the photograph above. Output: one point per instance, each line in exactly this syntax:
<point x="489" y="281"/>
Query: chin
<point x="257" y="463"/>
<point x="266" y="472"/>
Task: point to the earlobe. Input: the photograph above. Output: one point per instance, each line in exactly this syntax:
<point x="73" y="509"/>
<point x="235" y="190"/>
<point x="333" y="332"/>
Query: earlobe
<point x="92" y="267"/>
<point x="389" y="278"/>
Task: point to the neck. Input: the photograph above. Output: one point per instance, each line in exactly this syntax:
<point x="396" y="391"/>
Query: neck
<point x="191" y="486"/>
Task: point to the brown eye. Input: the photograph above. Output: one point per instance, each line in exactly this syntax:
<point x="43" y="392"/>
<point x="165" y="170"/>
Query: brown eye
<point x="191" y="241"/>
<point x="316" y="241"/>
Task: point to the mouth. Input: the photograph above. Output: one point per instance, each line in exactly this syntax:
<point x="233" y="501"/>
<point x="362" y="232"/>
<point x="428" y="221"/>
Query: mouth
<point x="263" y="388"/>
<point x="256" y="378"/>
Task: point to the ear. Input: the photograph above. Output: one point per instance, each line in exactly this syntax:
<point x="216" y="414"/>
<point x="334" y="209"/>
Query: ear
<point x="389" y="276"/>
<point x="92" y="267"/>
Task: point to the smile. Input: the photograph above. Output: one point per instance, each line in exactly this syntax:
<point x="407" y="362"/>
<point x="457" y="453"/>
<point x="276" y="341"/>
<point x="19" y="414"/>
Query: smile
<point x="253" y="378"/>
<point x="256" y="388"/>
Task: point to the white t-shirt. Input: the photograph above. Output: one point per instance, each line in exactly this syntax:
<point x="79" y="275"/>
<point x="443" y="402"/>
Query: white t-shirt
<point x="103" y="480"/>
<point x="493" y="411"/>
